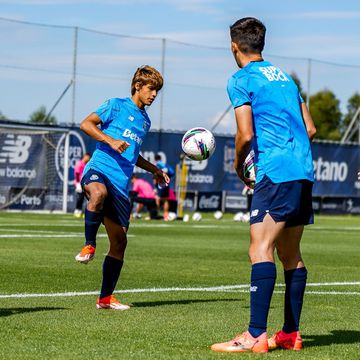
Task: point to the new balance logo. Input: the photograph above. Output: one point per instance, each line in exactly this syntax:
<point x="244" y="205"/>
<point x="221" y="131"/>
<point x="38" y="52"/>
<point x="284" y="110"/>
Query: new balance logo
<point x="15" y="149"/>
<point x="254" y="212"/>
<point x="253" y="288"/>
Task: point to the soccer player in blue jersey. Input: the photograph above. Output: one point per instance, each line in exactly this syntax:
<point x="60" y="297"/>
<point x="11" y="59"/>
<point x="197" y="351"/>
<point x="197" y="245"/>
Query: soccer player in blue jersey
<point x="119" y="126"/>
<point x="273" y="119"/>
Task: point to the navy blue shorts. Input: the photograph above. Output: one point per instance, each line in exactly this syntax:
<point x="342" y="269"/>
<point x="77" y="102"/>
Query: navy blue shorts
<point x="288" y="201"/>
<point x="162" y="191"/>
<point x="116" y="205"/>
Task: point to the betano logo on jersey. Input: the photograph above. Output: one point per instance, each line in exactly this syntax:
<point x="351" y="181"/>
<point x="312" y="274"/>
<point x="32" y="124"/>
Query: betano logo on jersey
<point x="272" y="73"/>
<point x="132" y="136"/>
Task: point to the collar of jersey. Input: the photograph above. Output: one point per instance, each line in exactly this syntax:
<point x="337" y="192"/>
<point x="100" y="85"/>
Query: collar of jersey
<point x="132" y="104"/>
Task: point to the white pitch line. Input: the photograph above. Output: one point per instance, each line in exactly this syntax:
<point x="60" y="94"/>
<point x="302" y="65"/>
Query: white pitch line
<point x="52" y="235"/>
<point x="224" y="288"/>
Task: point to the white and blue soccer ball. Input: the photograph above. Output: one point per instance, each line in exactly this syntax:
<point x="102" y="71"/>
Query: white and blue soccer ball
<point x="218" y="215"/>
<point x="196" y="216"/>
<point x="198" y="143"/>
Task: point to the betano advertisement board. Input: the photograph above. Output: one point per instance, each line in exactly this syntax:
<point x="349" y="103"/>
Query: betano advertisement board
<point x="27" y="161"/>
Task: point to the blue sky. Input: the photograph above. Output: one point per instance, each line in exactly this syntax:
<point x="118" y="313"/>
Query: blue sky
<point x="36" y="62"/>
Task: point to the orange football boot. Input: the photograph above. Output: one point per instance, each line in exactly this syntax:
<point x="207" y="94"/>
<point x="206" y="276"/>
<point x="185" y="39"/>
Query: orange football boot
<point x="244" y="343"/>
<point x="86" y="254"/>
<point x="110" y="302"/>
<point x="283" y="340"/>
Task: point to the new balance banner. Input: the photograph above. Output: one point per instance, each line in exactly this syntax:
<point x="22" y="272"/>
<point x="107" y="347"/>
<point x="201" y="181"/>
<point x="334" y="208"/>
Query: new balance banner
<point x="27" y="160"/>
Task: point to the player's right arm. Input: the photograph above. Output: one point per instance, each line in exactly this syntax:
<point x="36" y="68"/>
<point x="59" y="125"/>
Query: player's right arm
<point x="308" y="121"/>
<point x="90" y="127"/>
<point x="243" y="139"/>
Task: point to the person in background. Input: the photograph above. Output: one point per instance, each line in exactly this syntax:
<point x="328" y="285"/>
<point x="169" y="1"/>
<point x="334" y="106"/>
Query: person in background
<point x="162" y="193"/>
<point x="143" y="195"/>
<point x="80" y="194"/>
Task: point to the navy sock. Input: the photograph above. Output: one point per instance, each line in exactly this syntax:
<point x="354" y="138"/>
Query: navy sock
<point x="111" y="272"/>
<point x="295" y="281"/>
<point x="92" y="222"/>
<point x="263" y="277"/>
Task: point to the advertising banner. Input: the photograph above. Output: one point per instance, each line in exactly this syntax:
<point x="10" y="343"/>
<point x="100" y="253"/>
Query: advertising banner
<point x="35" y="160"/>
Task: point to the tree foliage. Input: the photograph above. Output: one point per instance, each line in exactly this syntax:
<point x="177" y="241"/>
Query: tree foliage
<point x="352" y="106"/>
<point x="39" y="116"/>
<point x="2" y="116"/>
<point x="325" y="111"/>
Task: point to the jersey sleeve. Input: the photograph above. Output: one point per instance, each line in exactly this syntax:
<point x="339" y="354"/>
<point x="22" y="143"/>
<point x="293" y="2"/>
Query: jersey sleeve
<point x="238" y="94"/>
<point x="105" y="111"/>
<point x="301" y="100"/>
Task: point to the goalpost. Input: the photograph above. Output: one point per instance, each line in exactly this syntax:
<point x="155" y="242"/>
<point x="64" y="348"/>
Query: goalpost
<point x="182" y="170"/>
<point x="34" y="168"/>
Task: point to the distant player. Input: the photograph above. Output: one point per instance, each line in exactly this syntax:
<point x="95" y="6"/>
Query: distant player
<point x="162" y="192"/>
<point x="144" y="195"/>
<point x="80" y="195"/>
<point x="271" y="117"/>
<point x="124" y="124"/>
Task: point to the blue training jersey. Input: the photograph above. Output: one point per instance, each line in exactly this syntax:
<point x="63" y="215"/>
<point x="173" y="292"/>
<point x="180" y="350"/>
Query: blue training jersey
<point x="122" y="120"/>
<point x="281" y="143"/>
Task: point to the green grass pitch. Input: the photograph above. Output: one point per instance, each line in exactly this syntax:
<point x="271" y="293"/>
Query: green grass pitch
<point x="184" y="281"/>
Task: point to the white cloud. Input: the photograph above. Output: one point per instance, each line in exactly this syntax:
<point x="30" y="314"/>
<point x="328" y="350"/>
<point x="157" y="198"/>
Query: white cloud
<point x="226" y="125"/>
<point x="198" y="6"/>
<point x="330" y="15"/>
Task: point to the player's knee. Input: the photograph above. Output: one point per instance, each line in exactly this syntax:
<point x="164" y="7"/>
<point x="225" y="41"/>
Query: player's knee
<point x="289" y="261"/>
<point x="119" y="245"/>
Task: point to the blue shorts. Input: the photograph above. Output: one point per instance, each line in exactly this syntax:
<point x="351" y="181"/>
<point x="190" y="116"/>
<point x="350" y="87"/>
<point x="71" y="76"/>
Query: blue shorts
<point x="116" y="205"/>
<point x="162" y="191"/>
<point x="288" y="201"/>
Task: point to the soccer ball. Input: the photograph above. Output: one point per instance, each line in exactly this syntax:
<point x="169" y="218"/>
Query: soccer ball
<point x="242" y="217"/>
<point x="196" y="216"/>
<point x="218" y="215"/>
<point x="238" y="216"/>
<point x="198" y="144"/>
<point x="172" y="216"/>
<point x="249" y="166"/>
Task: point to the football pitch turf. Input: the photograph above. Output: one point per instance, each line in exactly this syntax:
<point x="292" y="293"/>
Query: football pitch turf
<point x="188" y="283"/>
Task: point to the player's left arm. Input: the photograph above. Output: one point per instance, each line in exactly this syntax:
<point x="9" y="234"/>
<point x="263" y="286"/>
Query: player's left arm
<point x="308" y="121"/>
<point x="160" y="176"/>
<point x="243" y="139"/>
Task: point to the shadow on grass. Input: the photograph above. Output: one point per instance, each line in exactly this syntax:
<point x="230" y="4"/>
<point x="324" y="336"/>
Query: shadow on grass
<point x="178" y="302"/>
<point x="335" y="337"/>
<point x="17" y="311"/>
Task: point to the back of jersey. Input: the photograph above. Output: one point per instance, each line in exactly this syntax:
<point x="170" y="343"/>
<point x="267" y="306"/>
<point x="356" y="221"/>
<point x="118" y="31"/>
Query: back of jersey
<point x="281" y="144"/>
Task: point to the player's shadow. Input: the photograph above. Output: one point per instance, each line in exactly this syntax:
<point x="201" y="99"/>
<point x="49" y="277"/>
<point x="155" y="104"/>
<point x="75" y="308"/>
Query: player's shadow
<point x="335" y="337"/>
<point x="16" y="311"/>
<point x="178" y="302"/>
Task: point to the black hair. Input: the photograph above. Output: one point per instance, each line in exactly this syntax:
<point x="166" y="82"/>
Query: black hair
<point x="249" y="34"/>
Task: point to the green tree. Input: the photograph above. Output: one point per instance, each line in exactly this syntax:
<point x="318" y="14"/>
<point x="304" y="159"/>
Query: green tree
<point x="39" y="116"/>
<point x="352" y="106"/>
<point x="298" y="84"/>
<point x="325" y="111"/>
<point x="2" y="116"/>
